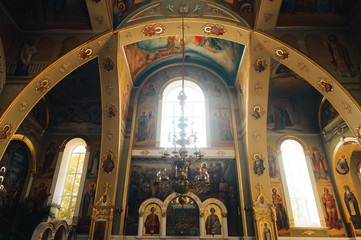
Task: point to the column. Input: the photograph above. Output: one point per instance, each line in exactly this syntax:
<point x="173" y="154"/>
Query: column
<point x="201" y="225"/>
<point x="140" y="224"/>
<point x="163" y="225"/>
<point x="225" y="224"/>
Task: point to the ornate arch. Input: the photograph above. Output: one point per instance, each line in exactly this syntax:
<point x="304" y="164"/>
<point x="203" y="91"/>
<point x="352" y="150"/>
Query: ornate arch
<point x="218" y="202"/>
<point x="150" y="201"/>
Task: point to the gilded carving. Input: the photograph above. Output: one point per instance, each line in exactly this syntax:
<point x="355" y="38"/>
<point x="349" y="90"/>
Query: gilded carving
<point x="42" y="85"/>
<point x="110" y="134"/>
<point x="258" y="88"/>
<point x="346" y="107"/>
<point x="101" y="43"/>
<point x="64" y="67"/>
<point x="308" y="232"/>
<point x="23" y="106"/>
<point x="128" y="35"/>
<point x="303" y="67"/>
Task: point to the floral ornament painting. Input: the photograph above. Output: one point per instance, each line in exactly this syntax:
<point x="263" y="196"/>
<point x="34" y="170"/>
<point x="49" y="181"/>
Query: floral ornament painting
<point x="5" y="131"/>
<point x="108" y="162"/>
<point x="110" y="111"/>
<point x="42" y="85"/>
<point x="151" y="30"/>
<point x="325" y="85"/>
<point x="257" y="112"/>
<point x="214" y="29"/>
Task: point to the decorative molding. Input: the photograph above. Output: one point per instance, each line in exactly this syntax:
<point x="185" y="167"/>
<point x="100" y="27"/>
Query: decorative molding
<point x="303" y="67"/>
<point x="215" y="29"/>
<point x="23" y="105"/>
<point x="110" y="134"/>
<point x="85" y="53"/>
<point x="151" y="30"/>
<point x="309" y="232"/>
<point x="325" y="85"/>
<point x="268" y="16"/>
<point x="346" y="107"/>
<point x="64" y="67"/>
<point x="42" y="85"/>
<point x="281" y="53"/>
<point x="256" y="136"/>
<point x="99" y="19"/>
<point x="101" y="43"/>
<point x="258" y="88"/>
<point x="109" y="88"/>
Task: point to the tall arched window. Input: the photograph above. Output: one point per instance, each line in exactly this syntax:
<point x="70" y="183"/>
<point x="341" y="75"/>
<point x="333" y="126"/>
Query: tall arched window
<point x="69" y="178"/>
<point x="194" y="111"/>
<point x="298" y="184"/>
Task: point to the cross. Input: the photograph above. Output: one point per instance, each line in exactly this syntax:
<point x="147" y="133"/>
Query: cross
<point x="106" y="186"/>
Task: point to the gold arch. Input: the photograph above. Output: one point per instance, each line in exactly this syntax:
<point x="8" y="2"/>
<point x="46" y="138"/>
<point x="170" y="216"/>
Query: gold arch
<point x="86" y="139"/>
<point x="29" y="144"/>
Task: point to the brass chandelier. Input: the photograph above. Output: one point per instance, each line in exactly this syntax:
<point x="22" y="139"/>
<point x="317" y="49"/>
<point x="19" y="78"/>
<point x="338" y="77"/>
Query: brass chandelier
<point x="179" y="159"/>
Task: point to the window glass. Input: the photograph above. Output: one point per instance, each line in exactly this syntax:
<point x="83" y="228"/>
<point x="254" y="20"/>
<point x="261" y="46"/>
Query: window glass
<point x="299" y="186"/>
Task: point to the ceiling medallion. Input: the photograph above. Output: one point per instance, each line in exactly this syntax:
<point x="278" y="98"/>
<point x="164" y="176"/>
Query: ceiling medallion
<point x="42" y="85"/>
<point x="5" y="131"/>
<point x="110" y="111"/>
<point x="257" y="112"/>
<point x="150" y="30"/>
<point x="108" y="64"/>
<point x="215" y="29"/>
<point x="260" y="65"/>
<point x="258" y="164"/>
<point x="281" y="53"/>
<point x="85" y="53"/>
<point x="325" y="85"/>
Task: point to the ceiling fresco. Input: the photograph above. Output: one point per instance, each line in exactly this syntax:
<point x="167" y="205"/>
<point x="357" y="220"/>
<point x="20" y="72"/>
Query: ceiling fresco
<point x="220" y="55"/>
<point x="327" y="13"/>
<point x="42" y="15"/>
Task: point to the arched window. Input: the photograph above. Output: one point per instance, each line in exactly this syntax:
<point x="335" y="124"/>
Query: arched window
<point x="69" y="178"/>
<point x="194" y="111"/>
<point x="298" y="184"/>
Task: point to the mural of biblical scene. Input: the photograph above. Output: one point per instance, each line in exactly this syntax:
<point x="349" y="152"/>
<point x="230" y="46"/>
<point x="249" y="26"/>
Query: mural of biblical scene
<point x="283" y="225"/>
<point x="39" y="113"/>
<point x="330" y="210"/>
<point x="93" y="165"/>
<point x="75" y="103"/>
<point x="49" y="159"/>
<point x="122" y="8"/>
<point x="86" y="205"/>
<point x="223" y="179"/>
<point x="152" y="217"/>
<point x="325" y="13"/>
<point x="16" y="162"/>
<point x="41" y="192"/>
<point x="319" y="164"/>
<point x="221" y="55"/>
<point x="352" y="205"/>
<point x="213" y="220"/>
<point x="35" y="15"/>
<point x="273" y="167"/>
<point x="183" y="220"/>
<point x="327" y="113"/>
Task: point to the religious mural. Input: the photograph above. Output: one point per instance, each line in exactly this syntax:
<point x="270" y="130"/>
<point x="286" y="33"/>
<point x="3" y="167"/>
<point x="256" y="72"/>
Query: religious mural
<point x="327" y="113"/>
<point x="87" y="202"/>
<point x="273" y="165"/>
<point x="213" y="220"/>
<point x="220" y="119"/>
<point x="16" y="161"/>
<point x="49" y="158"/>
<point x="37" y="15"/>
<point x="278" y="200"/>
<point x="152" y="218"/>
<point x="319" y="164"/>
<point x="39" y="113"/>
<point x="223" y="185"/>
<point x="315" y="13"/>
<point x="223" y="56"/>
<point x="41" y="192"/>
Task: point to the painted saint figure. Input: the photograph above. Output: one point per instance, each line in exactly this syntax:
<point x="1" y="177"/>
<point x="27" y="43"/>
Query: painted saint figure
<point x="319" y="164"/>
<point x="151" y="223"/>
<point x="272" y="165"/>
<point x="258" y="166"/>
<point x="282" y="219"/>
<point x="108" y="164"/>
<point x="330" y="209"/>
<point x="88" y="201"/>
<point x="342" y="165"/>
<point x="267" y="233"/>
<point x="142" y="127"/>
<point x="281" y="116"/>
<point x="213" y="225"/>
<point x="27" y="57"/>
<point x="352" y="207"/>
<point x="339" y="57"/>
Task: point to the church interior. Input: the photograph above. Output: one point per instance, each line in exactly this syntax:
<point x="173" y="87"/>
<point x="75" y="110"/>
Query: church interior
<point x="180" y="119"/>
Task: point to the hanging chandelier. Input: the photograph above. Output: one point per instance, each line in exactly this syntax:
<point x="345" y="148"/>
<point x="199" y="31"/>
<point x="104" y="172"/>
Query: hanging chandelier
<point x="179" y="159"/>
